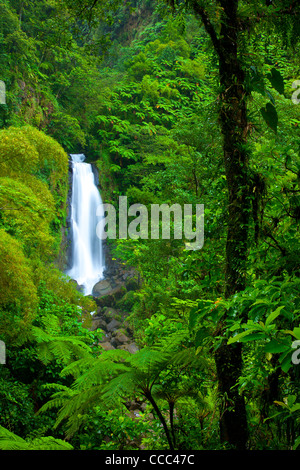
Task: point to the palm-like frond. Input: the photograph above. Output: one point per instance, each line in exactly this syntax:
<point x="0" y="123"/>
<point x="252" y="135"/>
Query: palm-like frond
<point x="187" y="358"/>
<point x="59" y="398"/>
<point x="116" y="375"/>
<point x="119" y="388"/>
<point x="103" y="369"/>
<point x="10" y="441"/>
<point x="61" y="348"/>
<point x="91" y="375"/>
<point x="49" y="443"/>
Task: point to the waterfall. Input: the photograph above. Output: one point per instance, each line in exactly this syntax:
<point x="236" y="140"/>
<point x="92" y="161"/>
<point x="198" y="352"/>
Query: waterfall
<point x="87" y="262"/>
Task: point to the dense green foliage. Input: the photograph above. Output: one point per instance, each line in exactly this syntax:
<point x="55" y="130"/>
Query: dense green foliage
<point x="138" y="90"/>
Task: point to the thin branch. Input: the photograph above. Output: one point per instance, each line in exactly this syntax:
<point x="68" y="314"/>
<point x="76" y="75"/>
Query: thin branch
<point x="200" y="11"/>
<point x="280" y="248"/>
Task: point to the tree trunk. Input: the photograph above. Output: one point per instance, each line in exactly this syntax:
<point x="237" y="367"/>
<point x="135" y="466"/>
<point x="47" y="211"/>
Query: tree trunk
<point x="233" y="122"/>
<point x="149" y="397"/>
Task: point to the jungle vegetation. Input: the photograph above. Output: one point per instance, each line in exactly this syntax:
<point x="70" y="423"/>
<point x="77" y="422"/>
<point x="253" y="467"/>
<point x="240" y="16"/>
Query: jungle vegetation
<point x="186" y="102"/>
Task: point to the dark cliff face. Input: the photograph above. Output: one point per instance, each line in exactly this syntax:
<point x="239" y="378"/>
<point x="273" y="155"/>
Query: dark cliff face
<point x="62" y="261"/>
<point x="67" y="238"/>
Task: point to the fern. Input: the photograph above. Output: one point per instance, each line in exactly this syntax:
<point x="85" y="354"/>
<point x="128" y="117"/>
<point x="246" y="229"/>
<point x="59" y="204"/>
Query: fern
<point x="115" y="376"/>
<point x="10" y="441"/>
<point x="87" y="390"/>
<point x="61" y="348"/>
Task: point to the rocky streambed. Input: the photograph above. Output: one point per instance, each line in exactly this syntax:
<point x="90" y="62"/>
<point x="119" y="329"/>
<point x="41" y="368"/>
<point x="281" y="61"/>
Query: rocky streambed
<point x="108" y="293"/>
<point x="117" y="332"/>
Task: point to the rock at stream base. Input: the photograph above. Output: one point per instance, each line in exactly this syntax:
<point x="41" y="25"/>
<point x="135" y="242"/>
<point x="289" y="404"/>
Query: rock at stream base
<point x="107" y="346"/>
<point x="102" y="288"/>
<point x="132" y="348"/>
<point x="110" y="313"/>
<point x="121" y="338"/>
<point x="111" y="316"/>
<point x="113" y="325"/>
<point x="98" y="323"/>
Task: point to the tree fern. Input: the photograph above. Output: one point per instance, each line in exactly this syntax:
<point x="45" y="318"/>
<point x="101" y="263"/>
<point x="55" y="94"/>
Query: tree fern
<point x="87" y="389"/>
<point x="117" y="375"/>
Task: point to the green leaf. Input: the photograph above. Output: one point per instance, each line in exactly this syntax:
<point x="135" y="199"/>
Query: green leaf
<point x="273" y="315"/>
<point x="241" y="336"/>
<point x="296" y="333"/>
<point x="253" y="337"/>
<point x="270" y="96"/>
<point x="275" y="346"/>
<point x="297" y="443"/>
<point x="276" y="80"/>
<point x="270" y="116"/>
<point x="285" y="361"/>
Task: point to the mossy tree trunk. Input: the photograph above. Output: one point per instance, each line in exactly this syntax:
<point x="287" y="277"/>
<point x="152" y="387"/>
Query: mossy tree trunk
<point x="234" y="127"/>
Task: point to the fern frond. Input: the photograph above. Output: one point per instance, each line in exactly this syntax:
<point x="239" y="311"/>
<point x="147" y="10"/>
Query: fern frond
<point x="114" y="376"/>
<point x="77" y="368"/>
<point x="55" y="386"/>
<point x="99" y="374"/>
<point x="39" y="335"/>
<point x="89" y="364"/>
<point x="121" y="387"/>
<point x="149" y="360"/>
<point x="172" y="342"/>
<point x="58" y="399"/>
<point x="74" y="409"/>
<point x="61" y="348"/>
<point x="49" y="443"/>
<point x="92" y="374"/>
<point x="115" y="355"/>
<point x="10" y="441"/>
<point x="188" y="358"/>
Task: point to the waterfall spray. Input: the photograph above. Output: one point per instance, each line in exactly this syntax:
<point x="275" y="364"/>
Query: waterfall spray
<point x="87" y="262"/>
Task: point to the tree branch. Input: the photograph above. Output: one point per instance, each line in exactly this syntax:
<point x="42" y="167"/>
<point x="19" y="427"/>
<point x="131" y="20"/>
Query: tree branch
<point x="209" y="28"/>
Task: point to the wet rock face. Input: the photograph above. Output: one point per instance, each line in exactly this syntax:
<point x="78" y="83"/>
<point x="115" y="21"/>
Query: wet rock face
<point x="118" y="278"/>
<point x="102" y="288"/>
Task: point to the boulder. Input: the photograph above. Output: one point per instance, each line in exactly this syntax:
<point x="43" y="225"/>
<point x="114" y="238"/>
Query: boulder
<point x="102" y="288"/>
<point x="114" y="343"/>
<point x="105" y="301"/>
<point x="121" y="338"/>
<point x="119" y="292"/>
<point x="110" y="313"/>
<point x="98" y="323"/>
<point x="107" y="346"/>
<point x="113" y="325"/>
<point x="131" y="347"/>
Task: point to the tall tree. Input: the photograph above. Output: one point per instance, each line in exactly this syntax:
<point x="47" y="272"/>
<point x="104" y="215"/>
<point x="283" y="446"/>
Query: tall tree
<point x="234" y="127"/>
<point x="224" y="23"/>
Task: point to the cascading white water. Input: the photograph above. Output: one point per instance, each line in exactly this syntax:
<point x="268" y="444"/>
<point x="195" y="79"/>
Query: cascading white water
<point x="87" y="263"/>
